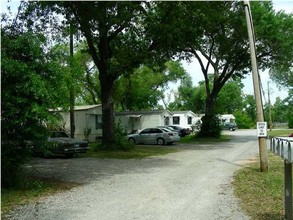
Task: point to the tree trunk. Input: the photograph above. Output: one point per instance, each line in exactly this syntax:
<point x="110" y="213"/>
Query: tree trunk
<point x="210" y="123"/>
<point x="72" y="94"/>
<point x="107" y="112"/>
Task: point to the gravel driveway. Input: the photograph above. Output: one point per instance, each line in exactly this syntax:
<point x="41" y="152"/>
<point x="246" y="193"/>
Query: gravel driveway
<point x="194" y="183"/>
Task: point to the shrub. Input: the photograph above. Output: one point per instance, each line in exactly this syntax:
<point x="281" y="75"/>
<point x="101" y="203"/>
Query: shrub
<point x="290" y="122"/>
<point x="121" y="143"/>
<point x="243" y="120"/>
<point x="211" y="127"/>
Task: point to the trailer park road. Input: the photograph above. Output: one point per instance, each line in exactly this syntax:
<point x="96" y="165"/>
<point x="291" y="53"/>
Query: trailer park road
<point x="193" y="183"/>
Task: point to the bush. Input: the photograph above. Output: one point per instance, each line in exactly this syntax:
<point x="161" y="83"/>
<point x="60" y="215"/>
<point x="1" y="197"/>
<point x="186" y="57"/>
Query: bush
<point x="121" y="143"/>
<point x="290" y="122"/>
<point x="12" y="158"/>
<point x="211" y="127"/>
<point x="31" y="84"/>
<point x="243" y="120"/>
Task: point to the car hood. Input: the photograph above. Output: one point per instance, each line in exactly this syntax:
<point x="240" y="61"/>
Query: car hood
<point x="67" y="140"/>
<point x="132" y="135"/>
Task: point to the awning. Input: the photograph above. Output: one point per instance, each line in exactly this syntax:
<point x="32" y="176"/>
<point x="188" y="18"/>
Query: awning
<point x="134" y="116"/>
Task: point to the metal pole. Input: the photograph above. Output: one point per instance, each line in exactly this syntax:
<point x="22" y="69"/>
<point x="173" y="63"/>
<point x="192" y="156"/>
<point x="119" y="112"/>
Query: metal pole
<point x="288" y="190"/>
<point x="259" y="109"/>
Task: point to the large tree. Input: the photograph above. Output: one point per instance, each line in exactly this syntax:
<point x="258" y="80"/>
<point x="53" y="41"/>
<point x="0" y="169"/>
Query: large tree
<point x="116" y="41"/>
<point x="282" y="70"/>
<point x="215" y="34"/>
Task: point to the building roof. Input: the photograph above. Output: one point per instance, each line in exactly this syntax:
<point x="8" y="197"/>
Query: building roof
<point x="147" y="112"/>
<point x="76" y="108"/>
<point x="185" y="112"/>
<point x="85" y="107"/>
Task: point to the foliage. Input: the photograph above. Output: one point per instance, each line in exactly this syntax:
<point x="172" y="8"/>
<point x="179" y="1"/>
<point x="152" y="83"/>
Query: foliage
<point x="120" y="143"/>
<point x="29" y="82"/>
<point x="206" y="27"/>
<point x="186" y="97"/>
<point x="211" y="127"/>
<point x="282" y="110"/>
<point x="290" y="122"/>
<point x="282" y="71"/>
<point x="230" y="98"/>
<point x="243" y="120"/>
<point x="116" y="41"/>
<point x="143" y="88"/>
<point x="250" y="107"/>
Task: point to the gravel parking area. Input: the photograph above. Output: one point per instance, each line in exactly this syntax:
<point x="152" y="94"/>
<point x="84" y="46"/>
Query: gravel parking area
<point x="194" y="183"/>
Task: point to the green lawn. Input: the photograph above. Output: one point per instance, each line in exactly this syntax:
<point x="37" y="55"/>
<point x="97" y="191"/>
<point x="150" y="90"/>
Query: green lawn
<point x="139" y="152"/>
<point x="193" y="139"/>
<point x="262" y="194"/>
<point x="283" y="132"/>
<point x="32" y="190"/>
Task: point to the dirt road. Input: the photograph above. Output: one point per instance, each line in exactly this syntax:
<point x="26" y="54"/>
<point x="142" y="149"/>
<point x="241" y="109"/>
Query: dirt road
<point x="194" y="183"/>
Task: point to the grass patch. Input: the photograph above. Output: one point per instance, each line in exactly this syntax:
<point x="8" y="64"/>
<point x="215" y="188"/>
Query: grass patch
<point x="138" y="152"/>
<point x="202" y="140"/>
<point x="33" y="190"/>
<point x="262" y="194"/>
<point x="283" y="132"/>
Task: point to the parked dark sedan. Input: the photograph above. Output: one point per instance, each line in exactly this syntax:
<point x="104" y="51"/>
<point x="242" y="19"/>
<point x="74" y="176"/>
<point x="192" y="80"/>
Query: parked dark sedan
<point x="230" y="126"/>
<point x="182" y="131"/>
<point x="60" y="143"/>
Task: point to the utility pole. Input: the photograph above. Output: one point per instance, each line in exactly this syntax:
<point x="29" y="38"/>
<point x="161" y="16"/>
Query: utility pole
<point x="71" y="98"/>
<point x="263" y="154"/>
<point x="270" y="109"/>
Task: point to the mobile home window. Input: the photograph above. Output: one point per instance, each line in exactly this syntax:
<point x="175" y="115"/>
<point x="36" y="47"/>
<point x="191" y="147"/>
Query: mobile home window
<point x="98" y="122"/>
<point x="189" y="120"/>
<point x="176" y="120"/>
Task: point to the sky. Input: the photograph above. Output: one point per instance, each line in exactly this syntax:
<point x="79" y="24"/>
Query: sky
<point x="194" y="70"/>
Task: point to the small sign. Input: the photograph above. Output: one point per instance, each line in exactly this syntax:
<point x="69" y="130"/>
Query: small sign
<point x="261" y="129"/>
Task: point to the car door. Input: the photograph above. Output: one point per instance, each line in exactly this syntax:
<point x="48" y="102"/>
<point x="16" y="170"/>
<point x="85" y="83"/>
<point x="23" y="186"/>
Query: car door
<point x="144" y="136"/>
<point x="155" y="135"/>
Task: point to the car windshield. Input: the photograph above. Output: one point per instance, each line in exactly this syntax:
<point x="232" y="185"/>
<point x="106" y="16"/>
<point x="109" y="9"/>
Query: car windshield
<point x="59" y="134"/>
<point x="171" y="129"/>
<point x="166" y="129"/>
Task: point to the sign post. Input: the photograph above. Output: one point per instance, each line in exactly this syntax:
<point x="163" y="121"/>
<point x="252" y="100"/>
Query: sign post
<point x="262" y="129"/>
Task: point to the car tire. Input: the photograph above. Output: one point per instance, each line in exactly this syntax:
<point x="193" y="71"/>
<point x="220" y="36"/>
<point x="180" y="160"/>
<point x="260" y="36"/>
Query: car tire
<point x="160" y="141"/>
<point x="131" y="140"/>
<point x="70" y="155"/>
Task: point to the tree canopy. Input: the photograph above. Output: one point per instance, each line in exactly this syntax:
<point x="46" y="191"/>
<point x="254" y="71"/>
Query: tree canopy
<point x="215" y="33"/>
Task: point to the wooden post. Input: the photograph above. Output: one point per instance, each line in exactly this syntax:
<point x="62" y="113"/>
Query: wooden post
<point x="259" y="109"/>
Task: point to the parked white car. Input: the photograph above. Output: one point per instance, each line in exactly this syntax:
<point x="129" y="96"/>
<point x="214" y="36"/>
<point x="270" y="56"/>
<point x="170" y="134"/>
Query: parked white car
<point x="159" y="136"/>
